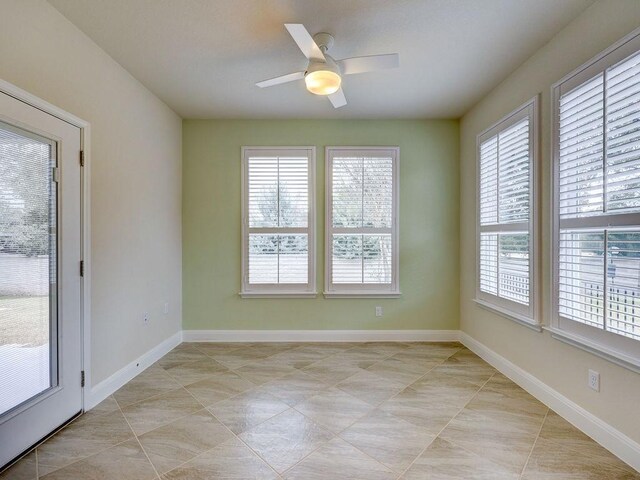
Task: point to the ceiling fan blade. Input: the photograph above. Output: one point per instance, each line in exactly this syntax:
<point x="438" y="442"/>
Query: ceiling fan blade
<point x="282" y="79"/>
<point x="371" y="63"/>
<point x="305" y="41"/>
<point x="338" y="99"/>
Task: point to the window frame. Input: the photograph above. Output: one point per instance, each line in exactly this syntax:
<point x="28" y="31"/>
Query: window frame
<point x="307" y="290"/>
<point x="616" y="348"/>
<point x="528" y="316"/>
<point x="332" y="290"/>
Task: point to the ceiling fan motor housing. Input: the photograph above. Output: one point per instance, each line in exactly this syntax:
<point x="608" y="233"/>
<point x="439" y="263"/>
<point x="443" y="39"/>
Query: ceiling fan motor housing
<point x="329" y="64"/>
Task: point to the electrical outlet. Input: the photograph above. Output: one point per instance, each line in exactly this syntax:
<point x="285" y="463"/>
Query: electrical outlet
<point x="378" y="311"/>
<point x="594" y="380"/>
<point x="166" y="308"/>
<point x="146" y="318"/>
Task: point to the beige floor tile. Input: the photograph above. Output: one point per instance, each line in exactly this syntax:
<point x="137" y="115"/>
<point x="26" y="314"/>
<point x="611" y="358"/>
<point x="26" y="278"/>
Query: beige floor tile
<point x="427" y="353"/>
<point x="444" y="461"/>
<point x="125" y="461"/>
<point x="158" y="411"/>
<point x="180" y="355"/>
<point x="108" y="405"/>
<point x="181" y="440"/>
<point x="219" y="387"/>
<point x="264" y="371"/>
<point x="298" y="358"/>
<point x="555" y="461"/>
<point x="502" y="395"/>
<point x="334" y="409"/>
<point x="370" y="388"/>
<point x="285" y="439"/>
<point x="435" y="346"/>
<point x="294" y="388"/>
<point x="390" y="440"/>
<point x="429" y="412"/>
<point x="192" y="372"/>
<point x="398" y="370"/>
<point x="212" y="349"/>
<point x="387" y="348"/>
<point x="445" y="390"/>
<point x="503" y="438"/>
<point x="454" y="374"/>
<point x="339" y="460"/>
<point x="24" y="469"/>
<point x="326" y="349"/>
<point x="247" y="410"/>
<point x="558" y="431"/>
<point x="360" y="357"/>
<point x="266" y="349"/>
<point x="331" y="370"/>
<point x="464" y="356"/>
<point x="322" y="411"/>
<point x="230" y="461"/>
<point x="82" y="438"/>
<point x="238" y="358"/>
<point x="153" y="381"/>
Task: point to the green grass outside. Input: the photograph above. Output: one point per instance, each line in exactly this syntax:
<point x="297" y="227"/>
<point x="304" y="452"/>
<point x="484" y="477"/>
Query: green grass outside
<point x="24" y="320"/>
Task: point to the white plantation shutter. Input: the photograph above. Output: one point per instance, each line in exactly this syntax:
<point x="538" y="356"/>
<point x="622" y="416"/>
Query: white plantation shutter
<point x="278" y="221"/>
<point x="489" y="181"/>
<point x="623" y="136"/>
<point x="514" y="173"/>
<point x="505" y="213"/>
<point x="597" y="184"/>
<point x="580" y="149"/>
<point x="362" y="256"/>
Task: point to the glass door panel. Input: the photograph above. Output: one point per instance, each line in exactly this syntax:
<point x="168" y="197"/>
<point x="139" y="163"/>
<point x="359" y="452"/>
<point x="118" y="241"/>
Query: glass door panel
<point x="28" y="273"/>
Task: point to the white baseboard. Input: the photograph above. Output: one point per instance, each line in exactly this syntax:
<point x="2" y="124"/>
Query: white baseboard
<point x="320" y="335"/>
<point x="96" y="394"/>
<point x="612" y="439"/>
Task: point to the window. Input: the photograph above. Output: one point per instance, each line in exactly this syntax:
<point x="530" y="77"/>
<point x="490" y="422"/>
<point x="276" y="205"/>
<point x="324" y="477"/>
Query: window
<point x="278" y="217"/>
<point x="596" y="161"/>
<point x="362" y="222"/>
<point x="506" y="211"/>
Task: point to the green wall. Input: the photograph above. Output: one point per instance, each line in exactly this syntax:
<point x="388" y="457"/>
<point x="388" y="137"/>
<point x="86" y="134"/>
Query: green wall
<point x="429" y="226"/>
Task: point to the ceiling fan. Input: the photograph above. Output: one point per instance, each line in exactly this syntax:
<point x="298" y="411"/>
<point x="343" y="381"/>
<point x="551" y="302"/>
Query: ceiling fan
<point x="323" y="75"/>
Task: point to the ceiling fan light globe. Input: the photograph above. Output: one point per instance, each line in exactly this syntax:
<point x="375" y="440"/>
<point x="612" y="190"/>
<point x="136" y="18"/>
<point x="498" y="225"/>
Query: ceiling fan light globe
<point x="322" y="82"/>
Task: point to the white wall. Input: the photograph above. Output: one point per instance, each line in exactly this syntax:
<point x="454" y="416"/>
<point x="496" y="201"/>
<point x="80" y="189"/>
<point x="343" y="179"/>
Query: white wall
<point x="135" y="177"/>
<point x="562" y="367"/>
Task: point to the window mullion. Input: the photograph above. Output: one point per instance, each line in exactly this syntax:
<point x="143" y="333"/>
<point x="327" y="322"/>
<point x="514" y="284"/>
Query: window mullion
<point x="605" y="302"/>
<point x="278" y="189"/>
<point x="362" y="225"/>
<point x="498" y="178"/>
<point x="506" y="227"/>
<point x="498" y="292"/>
<point x="604" y="142"/>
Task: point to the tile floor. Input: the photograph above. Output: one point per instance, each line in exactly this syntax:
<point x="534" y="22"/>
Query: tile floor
<point x="372" y="411"/>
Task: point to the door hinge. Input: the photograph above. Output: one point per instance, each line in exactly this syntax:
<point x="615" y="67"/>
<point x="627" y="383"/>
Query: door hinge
<point x="82" y="158"/>
<point x="82" y="268"/>
<point x="55" y="174"/>
<point x="82" y="378"/>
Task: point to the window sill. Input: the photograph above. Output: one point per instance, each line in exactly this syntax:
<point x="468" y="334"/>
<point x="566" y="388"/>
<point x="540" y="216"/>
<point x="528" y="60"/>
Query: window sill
<point x="516" y="317"/>
<point x="356" y="294"/>
<point x="278" y="294"/>
<point x="594" y="348"/>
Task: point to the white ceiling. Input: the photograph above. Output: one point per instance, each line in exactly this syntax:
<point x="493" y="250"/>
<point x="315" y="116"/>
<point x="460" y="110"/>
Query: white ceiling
<point x="203" y="57"/>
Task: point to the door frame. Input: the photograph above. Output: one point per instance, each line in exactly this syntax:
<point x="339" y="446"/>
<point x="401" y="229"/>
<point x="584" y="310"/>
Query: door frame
<point x="85" y="220"/>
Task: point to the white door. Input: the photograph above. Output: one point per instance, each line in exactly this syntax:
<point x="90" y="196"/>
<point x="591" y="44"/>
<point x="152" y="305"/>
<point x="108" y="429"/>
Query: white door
<point x="40" y="296"/>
